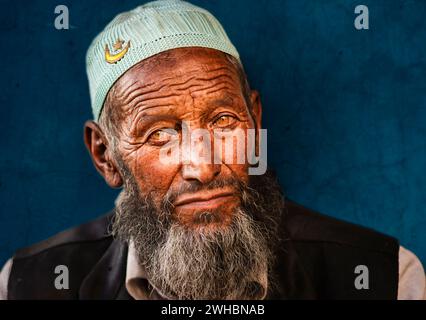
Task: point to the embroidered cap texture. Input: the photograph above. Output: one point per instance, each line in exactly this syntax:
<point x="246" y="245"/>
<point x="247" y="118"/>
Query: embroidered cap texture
<point x="143" y="32"/>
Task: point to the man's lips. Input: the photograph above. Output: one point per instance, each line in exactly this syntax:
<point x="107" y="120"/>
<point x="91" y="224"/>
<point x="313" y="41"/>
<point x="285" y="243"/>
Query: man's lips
<point x="205" y="199"/>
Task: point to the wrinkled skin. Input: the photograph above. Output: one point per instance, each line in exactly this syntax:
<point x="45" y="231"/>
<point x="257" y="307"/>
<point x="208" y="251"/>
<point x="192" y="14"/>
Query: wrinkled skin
<point x="197" y="85"/>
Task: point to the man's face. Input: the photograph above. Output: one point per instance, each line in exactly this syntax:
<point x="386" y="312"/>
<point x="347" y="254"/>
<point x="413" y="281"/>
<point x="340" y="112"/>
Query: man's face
<point x="201" y="229"/>
<point x="197" y="88"/>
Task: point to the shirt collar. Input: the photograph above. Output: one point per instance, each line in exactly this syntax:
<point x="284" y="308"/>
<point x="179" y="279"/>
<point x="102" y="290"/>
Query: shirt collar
<point x="137" y="284"/>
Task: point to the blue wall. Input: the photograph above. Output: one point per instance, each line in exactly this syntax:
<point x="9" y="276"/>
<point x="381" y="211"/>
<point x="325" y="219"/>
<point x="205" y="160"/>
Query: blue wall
<point x="345" y="109"/>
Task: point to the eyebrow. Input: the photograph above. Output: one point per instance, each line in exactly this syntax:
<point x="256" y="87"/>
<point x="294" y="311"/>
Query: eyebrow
<point x="227" y="100"/>
<point x="224" y="97"/>
<point x="146" y="120"/>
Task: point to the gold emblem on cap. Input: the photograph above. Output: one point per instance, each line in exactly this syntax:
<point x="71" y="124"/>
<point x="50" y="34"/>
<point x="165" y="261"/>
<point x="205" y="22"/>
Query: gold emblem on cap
<point x="119" y="50"/>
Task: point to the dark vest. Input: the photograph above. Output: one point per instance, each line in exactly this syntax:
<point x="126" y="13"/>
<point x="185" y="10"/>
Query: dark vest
<point x="317" y="258"/>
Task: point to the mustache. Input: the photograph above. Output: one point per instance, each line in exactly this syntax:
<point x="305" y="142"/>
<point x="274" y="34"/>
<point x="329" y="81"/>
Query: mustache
<point x="196" y="186"/>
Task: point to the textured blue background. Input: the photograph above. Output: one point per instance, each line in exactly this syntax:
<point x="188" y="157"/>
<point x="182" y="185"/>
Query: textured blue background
<point x="345" y="110"/>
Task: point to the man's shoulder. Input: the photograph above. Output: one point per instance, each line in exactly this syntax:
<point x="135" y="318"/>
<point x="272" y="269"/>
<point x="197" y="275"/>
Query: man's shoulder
<point x="93" y="259"/>
<point x="320" y="257"/>
<point x="305" y="225"/>
<point x="96" y="230"/>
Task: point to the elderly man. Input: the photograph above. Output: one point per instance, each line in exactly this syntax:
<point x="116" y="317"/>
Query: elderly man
<point x="189" y="226"/>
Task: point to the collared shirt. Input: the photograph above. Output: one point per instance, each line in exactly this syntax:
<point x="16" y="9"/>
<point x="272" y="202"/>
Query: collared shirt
<point x="411" y="284"/>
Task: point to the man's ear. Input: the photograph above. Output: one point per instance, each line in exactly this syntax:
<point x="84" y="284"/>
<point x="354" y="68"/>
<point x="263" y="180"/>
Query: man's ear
<point x="256" y="112"/>
<point x="97" y="145"/>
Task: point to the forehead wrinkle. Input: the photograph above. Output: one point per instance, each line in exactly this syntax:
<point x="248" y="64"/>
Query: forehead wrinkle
<point x="189" y="75"/>
<point x="132" y="97"/>
<point x="141" y="94"/>
<point x="122" y="94"/>
<point x="127" y="93"/>
<point x="213" y="88"/>
<point x="192" y="76"/>
<point x="148" y="94"/>
<point x="141" y="103"/>
<point x="199" y="84"/>
<point x="139" y="91"/>
<point x="227" y="81"/>
<point x="212" y="74"/>
<point x="230" y="68"/>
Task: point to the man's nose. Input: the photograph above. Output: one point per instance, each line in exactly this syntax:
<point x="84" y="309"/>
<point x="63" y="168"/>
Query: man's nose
<point x="198" y="162"/>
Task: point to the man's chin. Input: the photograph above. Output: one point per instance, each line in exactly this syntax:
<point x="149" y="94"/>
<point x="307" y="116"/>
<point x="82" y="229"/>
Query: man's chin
<point x="206" y="220"/>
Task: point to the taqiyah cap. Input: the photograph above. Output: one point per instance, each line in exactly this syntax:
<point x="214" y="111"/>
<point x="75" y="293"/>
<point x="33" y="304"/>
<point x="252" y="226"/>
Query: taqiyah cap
<point x="143" y="32"/>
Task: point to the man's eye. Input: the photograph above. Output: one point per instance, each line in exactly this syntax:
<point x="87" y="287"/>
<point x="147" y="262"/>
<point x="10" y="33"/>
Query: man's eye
<point x="224" y="121"/>
<point x="162" y="136"/>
